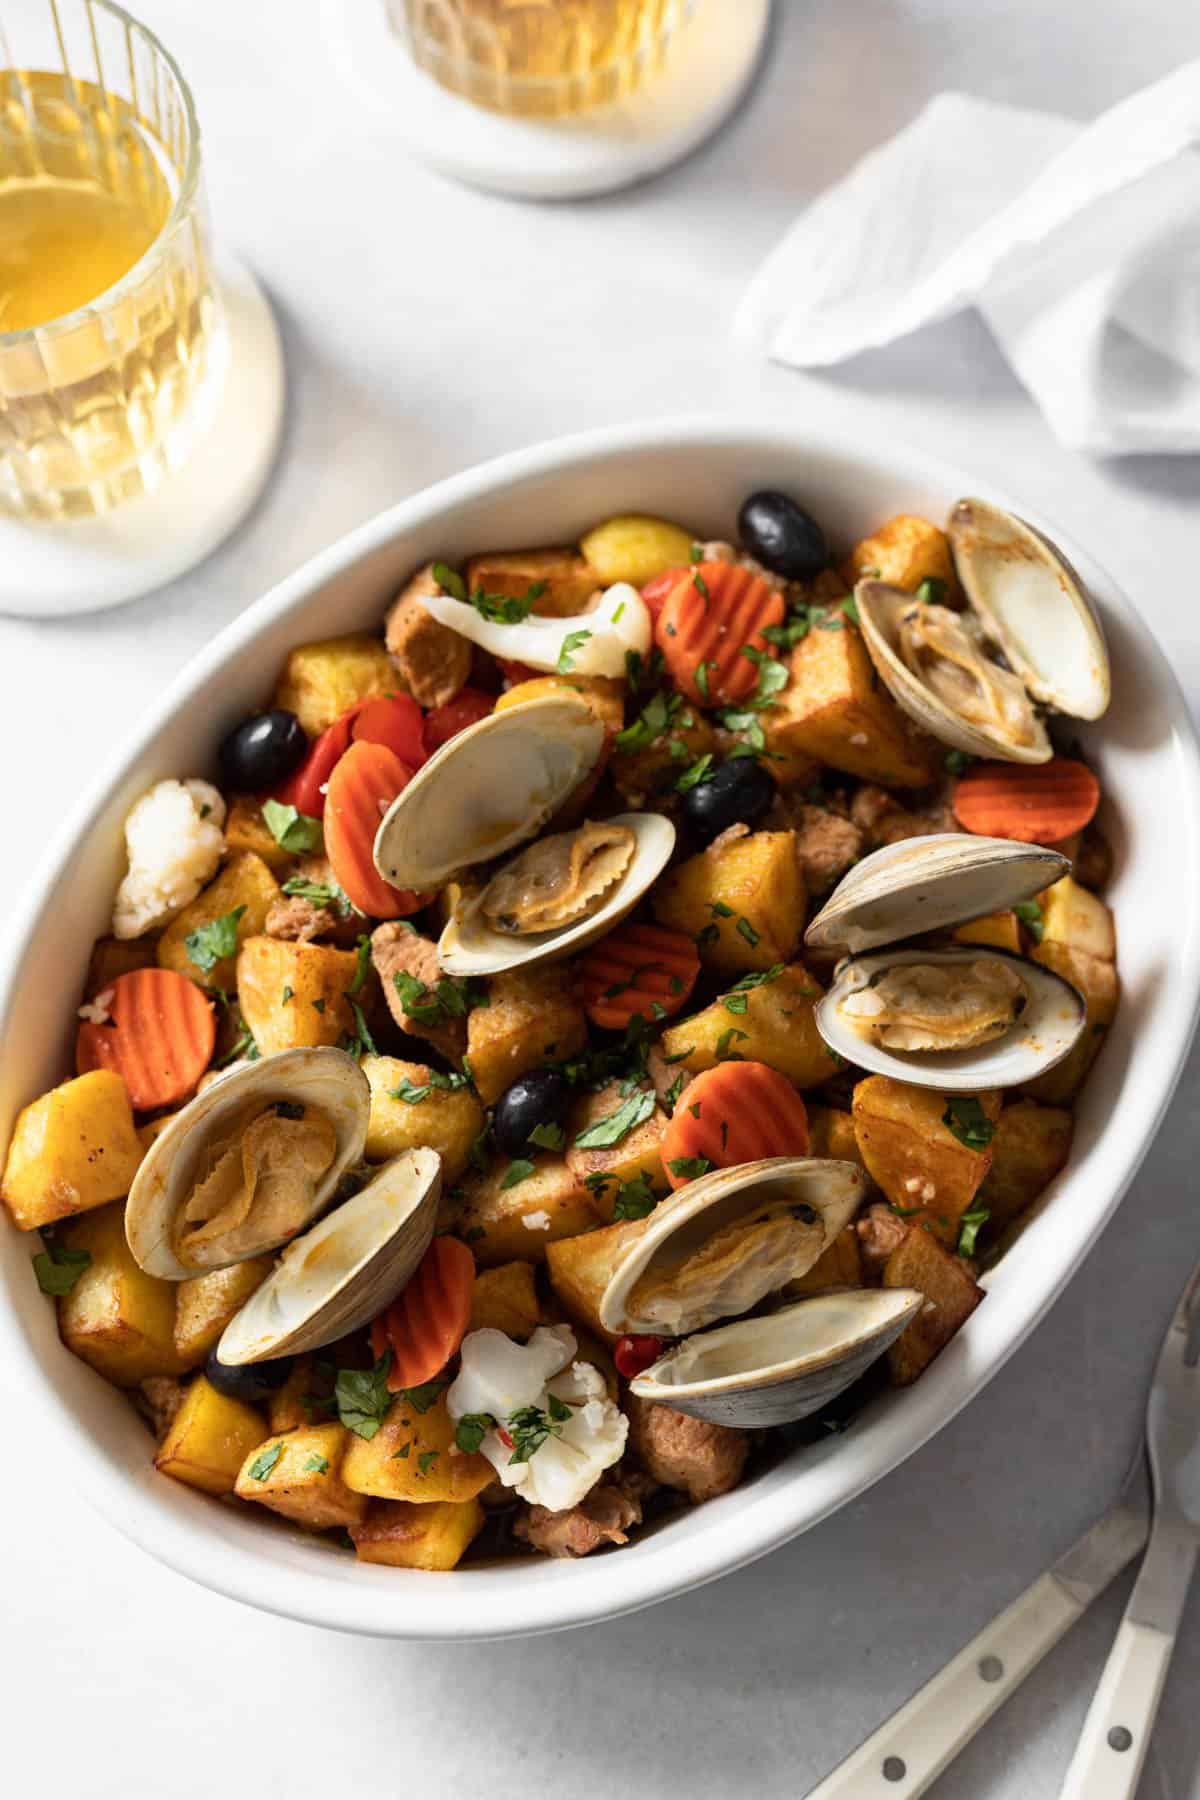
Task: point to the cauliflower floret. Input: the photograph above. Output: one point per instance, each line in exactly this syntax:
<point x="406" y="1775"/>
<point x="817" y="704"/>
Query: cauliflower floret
<point x="540" y="1398"/>
<point x="173" y="839"/>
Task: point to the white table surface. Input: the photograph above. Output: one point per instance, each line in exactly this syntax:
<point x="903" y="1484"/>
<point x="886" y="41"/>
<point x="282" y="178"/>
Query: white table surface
<point x="427" y="327"/>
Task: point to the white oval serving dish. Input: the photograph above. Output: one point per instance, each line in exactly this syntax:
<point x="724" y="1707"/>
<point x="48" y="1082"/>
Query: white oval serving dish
<point x="697" y="469"/>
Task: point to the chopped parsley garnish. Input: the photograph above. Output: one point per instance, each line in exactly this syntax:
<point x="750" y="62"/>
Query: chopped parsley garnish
<point x="363" y="1397"/>
<point x="292" y="829"/>
<point x="701" y="586"/>
<point x="264" y="1462"/>
<point x="968" y="1121"/>
<point x="549" y="1136"/>
<point x="850" y="610"/>
<point x="1030" y="915"/>
<point x="362" y="1043"/>
<point x="289" y="993"/>
<point x="518" y="1170"/>
<point x="617" y="1125"/>
<point x="58" y="1269"/>
<point x="695" y="773"/>
<point x="958" y="762"/>
<point x="689" y="1167"/>
<point x="702" y="687"/>
<point x="451" y="997"/>
<point x="676" y="1088"/>
<point x="730" y="1036"/>
<point x="426" y="1461"/>
<point x="426" y="1395"/>
<point x="450" y="581"/>
<point x="971" y="1223"/>
<point x="635" y="1199"/>
<point x="212" y="943"/>
<point x="932" y="591"/>
<point x="655" y="718"/>
<point x="772" y="676"/>
<point x="719" y="910"/>
<point x="410" y="1092"/>
<point x="244" y="1046"/>
<point x="324" y="894"/>
<point x="745" y="929"/>
<point x="471" y="1430"/>
<point x="317" y="1465"/>
<point x="361" y="966"/>
<point x="507" y="609"/>
<point x="574" y="640"/>
<point x="530" y="1427"/>
<point x="696" y="553"/>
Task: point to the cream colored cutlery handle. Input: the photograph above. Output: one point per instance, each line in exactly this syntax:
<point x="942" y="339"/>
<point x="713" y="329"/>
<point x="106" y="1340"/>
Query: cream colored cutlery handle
<point x="912" y="1748"/>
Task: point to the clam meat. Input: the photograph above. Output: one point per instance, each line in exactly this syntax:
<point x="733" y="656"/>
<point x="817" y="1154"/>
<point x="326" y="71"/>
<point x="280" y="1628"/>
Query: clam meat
<point x="945" y="651"/>
<point x="936" y="1006"/>
<point x="559" y="879"/>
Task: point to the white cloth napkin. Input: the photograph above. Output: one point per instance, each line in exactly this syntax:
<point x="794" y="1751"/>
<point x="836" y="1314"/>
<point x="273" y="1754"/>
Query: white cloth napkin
<point x="1079" y="244"/>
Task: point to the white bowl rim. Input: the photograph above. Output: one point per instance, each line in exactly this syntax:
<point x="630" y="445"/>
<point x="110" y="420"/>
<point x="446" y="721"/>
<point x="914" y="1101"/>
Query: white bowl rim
<point x="540" y="1595"/>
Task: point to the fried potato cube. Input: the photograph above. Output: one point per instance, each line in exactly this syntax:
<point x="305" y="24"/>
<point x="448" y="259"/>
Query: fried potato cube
<point x="831" y="1133"/>
<point x="635" y="547"/>
<point x="999" y="931"/>
<point x="1096" y="980"/>
<point x="408" y="1536"/>
<point x="775" y="1027"/>
<point x="204" y="1305"/>
<point x="905" y="552"/>
<point x="532" y="1017"/>
<point x="838" y="1267"/>
<point x="306" y="1397"/>
<point x="568" y="578"/>
<point x="300" y="1474"/>
<point x="580" y="1268"/>
<point x="603" y="1169"/>
<point x="1077" y="919"/>
<point x="506" y="1223"/>
<point x="649" y="768"/>
<point x="322" y="681"/>
<point x="604" y="695"/>
<point x="506" y="1299"/>
<point x="116" y="1317"/>
<point x="447" y="1120"/>
<point x="1031" y="1145"/>
<point x="247" y="830"/>
<point x="912" y="1152"/>
<point x="209" y="1439"/>
<point x="154" y="1128"/>
<point x="112" y="957"/>
<point x="244" y="882"/>
<point x="413" y="1456"/>
<point x="951" y="1296"/>
<point x="742" y="901"/>
<point x="836" y="709"/>
<point x="71" y="1150"/>
<point x="294" y="995"/>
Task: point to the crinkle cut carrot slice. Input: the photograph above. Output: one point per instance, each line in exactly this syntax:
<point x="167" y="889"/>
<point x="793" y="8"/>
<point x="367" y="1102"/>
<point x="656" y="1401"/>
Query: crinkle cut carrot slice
<point x="637" y="969"/>
<point x="735" y="1113"/>
<point x="711" y="614"/>
<point x="1036" y="803"/>
<point x="426" y="1323"/>
<point x="362" y="787"/>
<point x="160" y="1039"/>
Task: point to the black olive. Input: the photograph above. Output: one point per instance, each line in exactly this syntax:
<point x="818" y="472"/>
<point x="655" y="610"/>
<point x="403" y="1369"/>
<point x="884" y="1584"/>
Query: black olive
<point x="252" y="1382"/>
<point x="263" y="751"/>
<point x="739" y="793"/>
<point x="782" y="536"/>
<point x="539" y="1098"/>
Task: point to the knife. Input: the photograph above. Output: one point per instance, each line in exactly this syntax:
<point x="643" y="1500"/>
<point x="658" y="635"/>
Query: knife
<point x="1116" y="1733"/>
<point x="912" y="1748"/>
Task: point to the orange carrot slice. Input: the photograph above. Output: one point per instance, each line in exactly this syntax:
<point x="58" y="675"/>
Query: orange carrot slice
<point x="711" y="614"/>
<point x="159" y="1041"/>
<point x="637" y="969"/>
<point x="362" y="787"/>
<point x="734" y="1113"/>
<point x="1037" y="803"/>
<point x="425" y="1324"/>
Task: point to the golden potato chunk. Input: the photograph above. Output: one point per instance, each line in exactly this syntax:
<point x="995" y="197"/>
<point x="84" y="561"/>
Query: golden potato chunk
<point x="580" y="1268"/>
<point x="413" y="1456"/>
<point x="306" y="1397"/>
<point x="770" y="1023"/>
<point x="604" y="696"/>
<point x="322" y="681"/>
<point x="838" y="1267"/>
<point x="209" y="1439"/>
<point x="294" y="995"/>
<point x="657" y="754"/>
<point x="905" y="552"/>
<point x="1000" y="931"/>
<point x="742" y="900"/>
<point x="408" y="1536"/>
<point x="636" y="1157"/>
<point x="448" y="1120"/>
<point x="836" y="709"/>
<point x="518" y="1221"/>
<point x="831" y="1133"/>
<point x="247" y="831"/>
<point x="1031" y="1145"/>
<point x="204" y="1305"/>
<point x="506" y="1299"/>
<point x="71" y="1150"/>
<point x="244" y="882"/>
<point x="1077" y="919"/>
<point x="116" y="1317"/>
<point x="567" y="578"/>
<point x="1096" y="980"/>
<point x="635" y="547"/>
<point x="532" y="1017"/>
<point x="300" y="1474"/>
<point x="951" y="1294"/>
<point x="909" y="1141"/>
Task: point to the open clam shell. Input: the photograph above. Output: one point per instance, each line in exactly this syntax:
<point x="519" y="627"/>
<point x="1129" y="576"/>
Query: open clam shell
<point x="341" y="1274"/>
<point x="724" y="1242"/>
<point x="781" y="1366"/>
<point x="487" y="790"/>
<point x="328" y="1082"/>
<point x="1049" y="1026"/>
<point x="469" y="946"/>
<point x="928" y="884"/>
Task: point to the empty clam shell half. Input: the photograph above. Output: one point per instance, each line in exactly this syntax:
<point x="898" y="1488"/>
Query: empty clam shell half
<point x="247" y="1164"/>
<point x="928" y="884"/>
<point x="1046" y="1019"/>
<point x="341" y="1274"/>
<point x="781" y="1366"/>
<point x="725" y="1241"/>
<point x="469" y="946"/>
<point x="489" y="789"/>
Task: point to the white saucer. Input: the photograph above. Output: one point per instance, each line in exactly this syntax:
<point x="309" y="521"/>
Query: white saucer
<point x="83" y="565"/>
<point x="707" y="72"/>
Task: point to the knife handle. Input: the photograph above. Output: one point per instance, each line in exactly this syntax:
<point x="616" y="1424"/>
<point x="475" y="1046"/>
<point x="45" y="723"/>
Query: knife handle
<point x="912" y="1748"/>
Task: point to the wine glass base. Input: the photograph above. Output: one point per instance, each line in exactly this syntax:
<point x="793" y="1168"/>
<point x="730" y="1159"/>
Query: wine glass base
<point x="52" y="568"/>
<point x="708" y="70"/>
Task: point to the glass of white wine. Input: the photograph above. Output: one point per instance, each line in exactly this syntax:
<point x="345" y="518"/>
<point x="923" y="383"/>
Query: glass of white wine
<point x="111" y="327"/>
